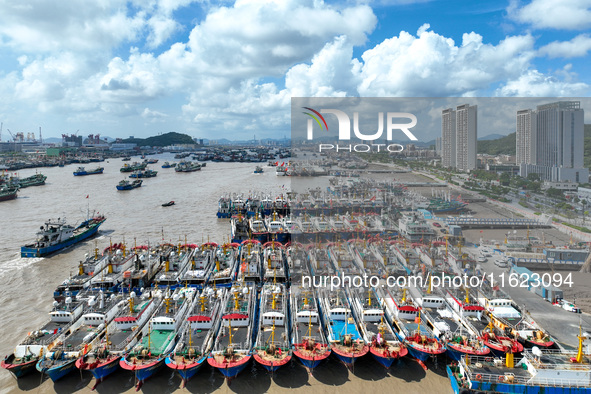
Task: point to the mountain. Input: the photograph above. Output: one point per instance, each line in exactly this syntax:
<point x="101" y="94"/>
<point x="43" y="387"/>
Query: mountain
<point x="501" y="146"/>
<point x="491" y="137"/>
<point x="167" y="139"/>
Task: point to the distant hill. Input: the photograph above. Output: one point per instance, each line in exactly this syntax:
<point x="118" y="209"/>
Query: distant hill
<point x="167" y="139"/>
<point x="491" y="137"/>
<point x="500" y="146"/>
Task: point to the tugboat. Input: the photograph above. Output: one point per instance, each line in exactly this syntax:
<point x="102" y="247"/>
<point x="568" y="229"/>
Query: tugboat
<point x="56" y="235"/>
<point x="344" y="335"/>
<point x="126" y="185"/>
<point x="197" y="334"/>
<point x="272" y="349"/>
<point x="81" y="171"/>
<point x="309" y="343"/>
<point x="233" y="344"/>
<point x="148" y="356"/>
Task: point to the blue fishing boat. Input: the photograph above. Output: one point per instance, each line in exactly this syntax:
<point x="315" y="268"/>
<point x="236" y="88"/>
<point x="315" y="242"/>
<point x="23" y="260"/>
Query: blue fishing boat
<point x="126" y="185"/>
<point x="56" y="235"/>
<point x="81" y="171"/>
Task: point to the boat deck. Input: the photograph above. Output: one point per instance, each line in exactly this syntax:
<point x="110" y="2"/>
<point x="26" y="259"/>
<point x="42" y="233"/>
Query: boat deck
<point x="75" y="339"/>
<point x="340" y="328"/>
<point x="157" y="341"/>
<point x="239" y="338"/>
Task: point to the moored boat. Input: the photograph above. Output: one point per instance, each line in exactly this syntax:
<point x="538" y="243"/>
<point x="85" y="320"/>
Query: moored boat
<point x="233" y="345"/>
<point x="126" y="185"/>
<point x="8" y="193"/>
<point x="148" y="356"/>
<point x="272" y="349"/>
<point x="198" y="334"/>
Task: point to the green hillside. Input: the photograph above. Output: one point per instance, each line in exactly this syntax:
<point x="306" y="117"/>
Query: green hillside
<point x="501" y="146"/>
<point x="167" y="139"/>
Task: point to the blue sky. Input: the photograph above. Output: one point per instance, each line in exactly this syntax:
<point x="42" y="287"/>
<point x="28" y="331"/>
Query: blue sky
<point x="229" y="69"/>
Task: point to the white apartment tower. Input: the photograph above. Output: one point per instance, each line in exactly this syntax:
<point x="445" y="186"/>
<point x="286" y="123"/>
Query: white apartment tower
<point x="448" y="138"/>
<point x="459" y="135"/>
<point x="525" y="130"/>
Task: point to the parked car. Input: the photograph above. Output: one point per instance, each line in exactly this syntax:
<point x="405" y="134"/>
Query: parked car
<point x="436" y="224"/>
<point x="501" y="264"/>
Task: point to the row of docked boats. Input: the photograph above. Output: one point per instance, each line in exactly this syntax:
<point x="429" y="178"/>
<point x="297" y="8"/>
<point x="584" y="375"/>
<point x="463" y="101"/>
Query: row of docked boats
<point x="183" y="305"/>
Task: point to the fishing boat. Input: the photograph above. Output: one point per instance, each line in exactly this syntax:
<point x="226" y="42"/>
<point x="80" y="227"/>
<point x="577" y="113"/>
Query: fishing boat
<point x="83" y="336"/>
<point x="385" y="347"/>
<point x="168" y="165"/>
<point x="176" y="263"/>
<point x="148" y="356"/>
<point x="225" y="263"/>
<point x="126" y="185"/>
<point x="27" y="353"/>
<point x="233" y="344"/>
<point x="81" y="171"/>
<point x="536" y="371"/>
<point x="198" y="334"/>
<point x="112" y="276"/>
<point x="8" y="193"/>
<point x="281" y="170"/>
<point x="274" y="262"/>
<point x="168" y="204"/>
<point x="276" y="230"/>
<point x="308" y="340"/>
<point x="272" y="349"/>
<point x="405" y="316"/>
<point x="144" y="174"/>
<point x="251" y="259"/>
<point x="135" y="166"/>
<point x="187" y="166"/>
<point x="121" y="335"/>
<point x="86" y="269"/>
<point x="56" y="235"/>
<point x="258" y="170"/>
<point x="343" y="333"/>
<point x="33" y="180"/>
<point x="201" y="264"/>
<point x="365" y="258"/>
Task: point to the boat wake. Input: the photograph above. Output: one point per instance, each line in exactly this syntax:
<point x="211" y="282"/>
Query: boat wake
<point x="17" y="264"/>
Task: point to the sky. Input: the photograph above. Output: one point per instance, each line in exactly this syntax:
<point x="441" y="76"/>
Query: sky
<point x="229" y="69"/>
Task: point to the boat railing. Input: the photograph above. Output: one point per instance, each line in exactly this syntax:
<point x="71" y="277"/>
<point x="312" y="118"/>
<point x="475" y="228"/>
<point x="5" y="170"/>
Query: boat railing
<point x="509" y="377"/>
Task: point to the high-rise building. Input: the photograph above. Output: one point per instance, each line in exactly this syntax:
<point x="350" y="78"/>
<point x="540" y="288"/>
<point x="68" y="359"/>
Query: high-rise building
<point x="448" y="138"/>
<point x="466" y="130"/>
<point x="525" y="130"/>
<point x="458" y="137"/>
<point x="555" y="144"/>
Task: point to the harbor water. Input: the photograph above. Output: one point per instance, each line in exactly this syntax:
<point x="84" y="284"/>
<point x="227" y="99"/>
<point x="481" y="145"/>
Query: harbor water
<point x="137" y="217"/>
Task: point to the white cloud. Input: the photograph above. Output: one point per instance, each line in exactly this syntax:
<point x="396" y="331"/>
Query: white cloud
<point x="553" y="14"/>
<point x="577" y="47"/>
<point x="535" y="84"/>
<point x="433" y="65"/>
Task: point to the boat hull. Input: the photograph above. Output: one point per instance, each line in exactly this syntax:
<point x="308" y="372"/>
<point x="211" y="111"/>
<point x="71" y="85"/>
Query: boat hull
<point x="272" y="366"/>
<point x="186" y="371"/>
<point x="56" y="372"/>
<point x="349" y="358"/>
<point x="456" y="354"/>
<point x="100" y="370"/>
<point x="142" y="371"/>
<point x="27" y="251"/>
<point x="229" y="370"/>
<point x="20" y="369"/>
<point x="387" y="359"/>
<point x="311" y="362"/>
<point x="422" y="355"/>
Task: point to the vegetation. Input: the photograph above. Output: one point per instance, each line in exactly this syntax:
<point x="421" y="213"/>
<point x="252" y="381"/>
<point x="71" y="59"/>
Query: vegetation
<point x="171" y="138"/>
<point x="501" y="146"/>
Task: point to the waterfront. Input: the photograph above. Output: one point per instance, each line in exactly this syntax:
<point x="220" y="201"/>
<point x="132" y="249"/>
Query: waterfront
<point x="137" y="216"/>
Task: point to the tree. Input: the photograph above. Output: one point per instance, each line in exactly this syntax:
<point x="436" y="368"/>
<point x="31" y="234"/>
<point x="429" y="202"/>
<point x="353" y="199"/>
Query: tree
<point x="532" y="176"/>
<point x="505" y="178"/>
<point x="554" y="193"/>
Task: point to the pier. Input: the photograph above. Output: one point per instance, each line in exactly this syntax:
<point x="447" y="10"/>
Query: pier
<point x="498" y="223"/>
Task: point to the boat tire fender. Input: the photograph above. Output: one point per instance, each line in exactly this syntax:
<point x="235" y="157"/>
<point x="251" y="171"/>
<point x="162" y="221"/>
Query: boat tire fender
<point x="478" y="377"/>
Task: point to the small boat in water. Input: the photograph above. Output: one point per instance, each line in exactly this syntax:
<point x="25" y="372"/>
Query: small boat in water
<point x="168" y="204"/>
<point x="81" y="171"/>
<point x="56" y="235"/>
<point x="258" y="170"/>
<point x="126" y="185"/>
<point x="8" y="193"/>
